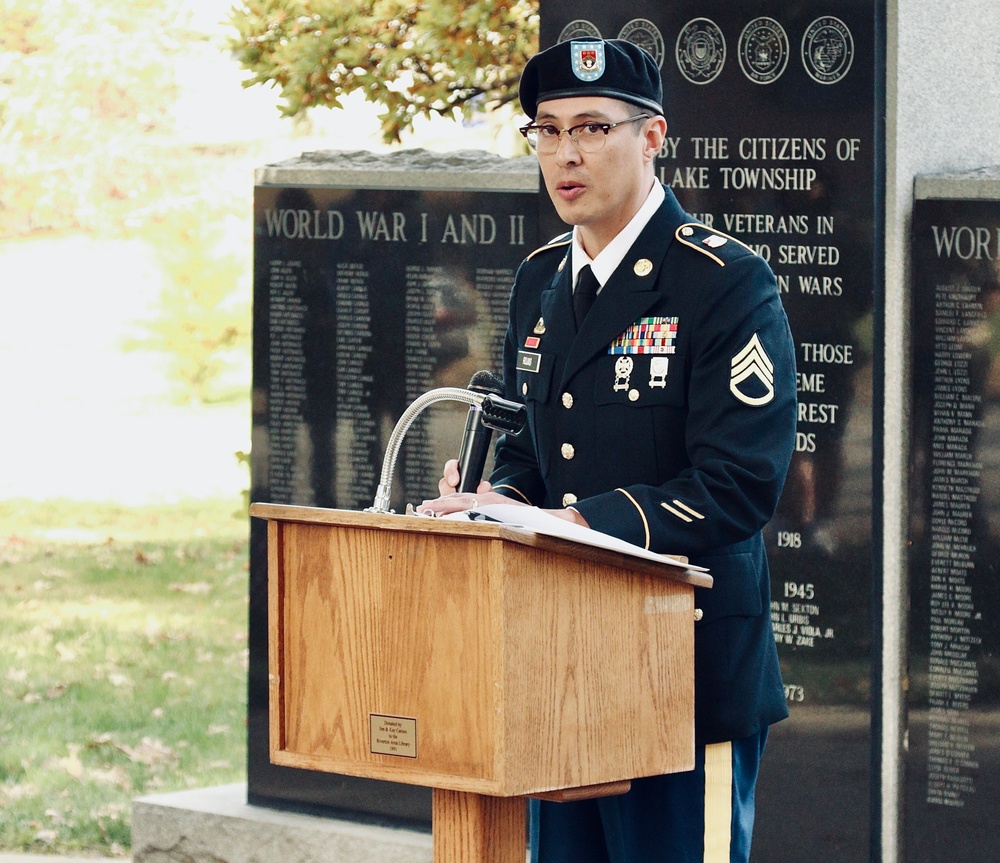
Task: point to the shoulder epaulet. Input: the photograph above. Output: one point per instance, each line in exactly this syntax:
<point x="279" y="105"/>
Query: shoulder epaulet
<point x="707" y="240"/>
<point x="555" y="243"/>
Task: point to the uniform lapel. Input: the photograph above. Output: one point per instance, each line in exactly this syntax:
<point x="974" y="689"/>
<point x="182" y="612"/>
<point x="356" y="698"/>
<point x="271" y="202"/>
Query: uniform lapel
<point x="557" y="311"/>
<point x="633" y="289"/>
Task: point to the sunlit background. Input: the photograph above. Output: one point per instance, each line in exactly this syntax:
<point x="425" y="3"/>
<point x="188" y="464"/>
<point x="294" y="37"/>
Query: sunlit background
<point x="127" y="156"/>
<point x="127" y="151"/>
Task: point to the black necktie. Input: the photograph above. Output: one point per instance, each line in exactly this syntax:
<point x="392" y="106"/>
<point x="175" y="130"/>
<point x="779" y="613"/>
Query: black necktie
<point x="587" y="287"/>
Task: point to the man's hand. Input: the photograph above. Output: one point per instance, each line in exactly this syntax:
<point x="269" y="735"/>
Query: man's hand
<point x="450" y="478"/>
<point x="452" y="500"/>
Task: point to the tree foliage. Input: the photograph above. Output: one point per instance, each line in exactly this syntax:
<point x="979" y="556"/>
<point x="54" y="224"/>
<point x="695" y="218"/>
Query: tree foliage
<point x="201" y="324"/>
<point x="84" y="90"/>
<point x="415" y="57"/>
<point x="89" y="142"/>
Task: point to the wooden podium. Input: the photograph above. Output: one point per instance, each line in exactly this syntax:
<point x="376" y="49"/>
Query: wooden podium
<point x="485" y="662"/>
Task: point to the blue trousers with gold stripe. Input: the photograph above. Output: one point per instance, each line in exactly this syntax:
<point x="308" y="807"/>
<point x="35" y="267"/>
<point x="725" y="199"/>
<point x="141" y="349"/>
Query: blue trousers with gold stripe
<point x="701" y="816"/>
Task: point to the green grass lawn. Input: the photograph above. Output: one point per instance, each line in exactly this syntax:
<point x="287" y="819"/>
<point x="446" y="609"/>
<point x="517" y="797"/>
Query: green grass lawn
<point x="123" y="656"/>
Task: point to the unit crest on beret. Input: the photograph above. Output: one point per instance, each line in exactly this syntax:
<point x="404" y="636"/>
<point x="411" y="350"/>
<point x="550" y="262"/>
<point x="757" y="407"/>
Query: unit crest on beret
<point x="590" y="66"/>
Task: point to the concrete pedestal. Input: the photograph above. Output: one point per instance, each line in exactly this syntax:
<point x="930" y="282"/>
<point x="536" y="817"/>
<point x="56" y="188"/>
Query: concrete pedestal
<point x="216" y="825"/>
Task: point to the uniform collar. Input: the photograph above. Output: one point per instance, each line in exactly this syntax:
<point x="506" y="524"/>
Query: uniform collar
<point x="613" y="254"/>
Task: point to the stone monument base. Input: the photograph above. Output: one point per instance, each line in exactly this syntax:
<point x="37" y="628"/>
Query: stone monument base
<point x="216" y="825"/>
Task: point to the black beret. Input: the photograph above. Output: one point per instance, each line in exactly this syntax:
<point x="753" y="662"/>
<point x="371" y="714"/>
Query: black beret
<point x="592" y="67"/>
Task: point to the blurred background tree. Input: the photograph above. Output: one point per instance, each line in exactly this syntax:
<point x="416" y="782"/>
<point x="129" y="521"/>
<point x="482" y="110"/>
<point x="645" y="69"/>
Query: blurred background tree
<point x="447" y="58"/>
<point x="201" y="324"/>
<point x="91" y="141"/>
<point x="86" y="91"/>
<point x="98" y="134"/>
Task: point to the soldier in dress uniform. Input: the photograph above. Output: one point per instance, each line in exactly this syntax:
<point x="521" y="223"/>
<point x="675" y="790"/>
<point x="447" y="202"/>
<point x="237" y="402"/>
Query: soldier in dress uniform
<point x="656" y="363"/>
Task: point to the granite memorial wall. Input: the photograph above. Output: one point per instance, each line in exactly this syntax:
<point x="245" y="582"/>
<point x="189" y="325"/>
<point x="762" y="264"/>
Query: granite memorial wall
<point x="953" y="761"/>
<point x="376" y="279"/>
<point x="772" y="139"/>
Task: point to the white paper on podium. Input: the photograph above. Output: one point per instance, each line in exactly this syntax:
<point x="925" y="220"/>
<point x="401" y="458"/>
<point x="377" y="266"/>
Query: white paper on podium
<point x="536" y="520"/>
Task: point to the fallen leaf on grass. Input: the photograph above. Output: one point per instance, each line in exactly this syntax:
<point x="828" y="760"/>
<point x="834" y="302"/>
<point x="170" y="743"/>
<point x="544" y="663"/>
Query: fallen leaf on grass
<point x="194" y="587"/>
<point x="55" y="691"/>
<point x="112" y="776"/>
<point x="148" y="557"/>
<point x="72" y="763"/>
<point x="149" y="751"/>
<point x="17" y="791"/>
<point x="108" y="810"/>
<point x="12" y="548"/>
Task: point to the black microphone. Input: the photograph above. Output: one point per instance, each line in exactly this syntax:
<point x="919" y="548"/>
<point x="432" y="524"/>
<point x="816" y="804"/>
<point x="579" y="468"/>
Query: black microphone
<point x="476" y="441"/>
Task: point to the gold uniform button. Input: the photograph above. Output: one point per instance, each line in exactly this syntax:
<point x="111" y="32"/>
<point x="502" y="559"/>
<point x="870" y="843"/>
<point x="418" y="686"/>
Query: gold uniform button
<point x="567" y="450"/>
<point x="633" y="395"/>
<point x="687" y="231"/>
<point x="643" y="267"/>
<point x="524" y="388"/>
<point x="698" y="614"/>
<point x="567" y="400"/>
<point x="569" y="499"/>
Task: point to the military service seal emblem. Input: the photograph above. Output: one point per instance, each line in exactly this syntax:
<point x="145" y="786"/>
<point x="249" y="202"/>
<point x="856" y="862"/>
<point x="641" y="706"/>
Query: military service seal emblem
<point x="763" y="51"/>
<point x="645" y="34"/>
<point x="827" y="50"/>
<point x="578" y="29"/>
<point x="700" y="51"/>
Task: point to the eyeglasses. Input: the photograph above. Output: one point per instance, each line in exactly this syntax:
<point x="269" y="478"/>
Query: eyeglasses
<point x="586" y="137"/>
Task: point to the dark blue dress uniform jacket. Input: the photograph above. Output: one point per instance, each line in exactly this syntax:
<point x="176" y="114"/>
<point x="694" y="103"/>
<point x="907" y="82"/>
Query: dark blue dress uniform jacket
<point x="687" y="459"/>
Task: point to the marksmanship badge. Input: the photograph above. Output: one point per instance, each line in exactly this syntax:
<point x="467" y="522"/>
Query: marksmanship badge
<point x="751" y="375"/>
<point x="587" y="59"/>
<point x="623" y="371"/>
<point x="658" y="367"/>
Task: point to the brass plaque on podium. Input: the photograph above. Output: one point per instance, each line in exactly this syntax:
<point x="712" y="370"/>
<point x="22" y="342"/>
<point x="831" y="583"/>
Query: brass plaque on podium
<point x="393" y="735"/>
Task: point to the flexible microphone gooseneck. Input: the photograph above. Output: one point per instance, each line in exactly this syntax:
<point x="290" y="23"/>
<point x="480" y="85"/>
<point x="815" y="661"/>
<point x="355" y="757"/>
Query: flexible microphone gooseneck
<point x="493" y="412"/>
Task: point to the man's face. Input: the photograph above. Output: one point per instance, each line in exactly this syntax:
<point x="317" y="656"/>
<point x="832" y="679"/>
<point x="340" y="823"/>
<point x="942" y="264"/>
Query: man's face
<point x="599" y="192"/>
